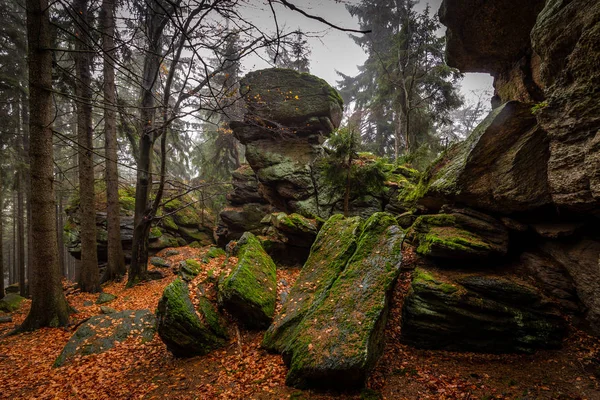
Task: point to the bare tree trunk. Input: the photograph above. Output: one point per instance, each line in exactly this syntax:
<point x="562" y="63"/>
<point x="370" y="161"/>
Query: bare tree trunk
<point x="27" y="182"/>
<point x="115" y="266"/>
<point x="21" y="232"/>
<point x="155" y="24"/>
<point x="15" y="263"/>
<point x="49" y="306"/>
<point x="89" y="279"/>
<point x="1" y="240"/>
<point x="59" y="233"/>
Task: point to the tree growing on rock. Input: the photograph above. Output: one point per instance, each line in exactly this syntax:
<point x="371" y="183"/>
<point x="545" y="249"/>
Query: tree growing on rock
<point x="344" y="169"/>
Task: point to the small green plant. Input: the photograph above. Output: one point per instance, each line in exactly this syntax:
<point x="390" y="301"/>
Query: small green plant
<point x="539" y="107"/>
<point x="353" y="173"/>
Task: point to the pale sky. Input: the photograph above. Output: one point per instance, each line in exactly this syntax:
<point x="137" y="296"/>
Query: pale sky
<point x="334" y="50"/>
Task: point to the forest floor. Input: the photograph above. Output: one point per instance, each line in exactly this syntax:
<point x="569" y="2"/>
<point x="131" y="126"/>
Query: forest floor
<point x="242" y="370"/>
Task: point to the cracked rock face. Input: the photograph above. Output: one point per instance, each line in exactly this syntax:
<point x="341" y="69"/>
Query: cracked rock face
<point x="289" y="115"/>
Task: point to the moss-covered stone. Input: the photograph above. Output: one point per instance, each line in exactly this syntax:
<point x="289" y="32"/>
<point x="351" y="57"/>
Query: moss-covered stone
<point x="463" y="234"/>
<point x="101" y="332"/>
<point x="478" y="312"/>
<point x="341" y="337"/>
<point x="159" y="262"/>
<point x="335" y="244"/>
<point x="215" y="252"/>
<point x="500" y="167"/>
<point x="180" y="327"/>
<point x="195" y="234"/>
<point x="155" y="233"/>
<point x="105" y="298"/>
<point x="289" y="97"/>
<point x="250" y="291"/>
<point x="162" y="242"/>
<point x="189" y="269"/>
<point x="11" y="302"/>
<point x="169" y="224"/>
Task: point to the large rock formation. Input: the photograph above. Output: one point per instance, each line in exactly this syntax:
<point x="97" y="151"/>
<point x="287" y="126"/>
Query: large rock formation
<point x="182" y="221"/>
<point x="532" y="165"/>
<point x="501" y="167"/>
<point x="478" y="312"/>
<point x="330" y="330"/>
<point x="334" y="246"/>
<point x="547" y="59"/>
<point x="288" y="117"/>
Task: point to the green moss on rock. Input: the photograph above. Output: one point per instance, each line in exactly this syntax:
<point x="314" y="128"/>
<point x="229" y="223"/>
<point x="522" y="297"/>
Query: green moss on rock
<point x="478" y="312"/>
<point x="189" y="269"/>
<point x="215" y="252"/>
<point x="101" y="332"/>
<point x="249" y="292"/>
<point x="180" y="328"/>
<point x="11" y="302"/>
<point x="458" y="236"/>
<point x="335" y="244"/>
<point x="341" y="338"/>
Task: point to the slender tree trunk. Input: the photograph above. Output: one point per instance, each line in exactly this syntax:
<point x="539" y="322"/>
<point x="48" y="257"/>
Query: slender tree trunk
<point x="115" y="266"/>
<point x="15" y="263"/>
<point x="27" y="183"/>
<point x="49" y="306"/>
<point x="59" y="234"/>
<point x="21" y="233"/>
<point x="155" y="23"/>
<point x="89" y="279"/>
<point x="1" y="240"/>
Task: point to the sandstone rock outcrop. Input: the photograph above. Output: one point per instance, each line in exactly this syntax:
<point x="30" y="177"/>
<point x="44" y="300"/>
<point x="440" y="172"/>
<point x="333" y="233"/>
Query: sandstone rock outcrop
<point x="331" y="332"/>
<point x="183" y="221"/>
<point x="532" y="164"/>
<point x="483" y="312"/>
<point x="249" y="292"/>
<point x="289" y="115"/>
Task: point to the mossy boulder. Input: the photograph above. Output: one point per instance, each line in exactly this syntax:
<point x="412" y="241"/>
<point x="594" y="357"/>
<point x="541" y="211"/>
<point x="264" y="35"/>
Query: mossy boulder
<point x="250" y="291"/>
<point x="164" y="241"/>
<point x="11" y="302"/>
<point x="186" y="331"/>
<point x="214" y="252"/>
<point x="335" y="244"/>
<point x="189" y="269"/>
<point x="341" y="337"/>
<point x="196" y="235"/>
<point x="160" y="262"/>
<point x="480" y="312"/>
<point x="104" y="298"/>
<point x="459" y="234"/>
<point x="292" y="99"/>
<point x="101" y="332"/>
